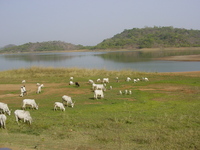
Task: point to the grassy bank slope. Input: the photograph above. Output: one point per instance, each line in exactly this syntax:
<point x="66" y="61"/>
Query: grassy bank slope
<point x="160" y="114"/>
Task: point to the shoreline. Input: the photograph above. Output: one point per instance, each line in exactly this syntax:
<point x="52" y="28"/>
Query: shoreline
<point x="181" y="58"/>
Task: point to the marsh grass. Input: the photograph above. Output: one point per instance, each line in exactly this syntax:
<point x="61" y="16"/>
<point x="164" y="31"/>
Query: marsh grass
<point x="160" y="114"/>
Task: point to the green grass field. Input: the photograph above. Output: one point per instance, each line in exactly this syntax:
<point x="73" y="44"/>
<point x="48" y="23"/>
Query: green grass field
<point x="161" y="114"/>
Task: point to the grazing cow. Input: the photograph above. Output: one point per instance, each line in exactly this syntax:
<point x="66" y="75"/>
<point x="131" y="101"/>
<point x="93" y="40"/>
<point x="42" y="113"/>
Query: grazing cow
<point x="23" y="81"/>
<point x="71" y="82"/>
<point x="3" y="121"/>
<point x="90" y="81"/>
<point x="128" y="79"/>
<point x="40" y="88"/>
<point x="98" y="87"/>
<point x="59" y="105"/>
<point x="129" y="92"/>
<point x="68" y="100"/>
<point x="22" y="114"/>
<point x="4" y="108"/>
<point x="105" y="80"/>
<point x="126" y="92"/>
<point x="30" y="102"/>
<point x="98" y="80"/>
<point x="117" y="79"/>
<point x="98" y="93"/>
<point x="71" y="78"/>
<point x="77" y="84"/>
<point x="145" y="79"/>
<point x="135" y="81"/>
<point x="120" y="92"/>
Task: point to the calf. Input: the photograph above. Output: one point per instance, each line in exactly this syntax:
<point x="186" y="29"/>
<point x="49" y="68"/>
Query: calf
<point x="3" y="121"/>
<point x="59" y="105"/>
<point x="68" y="100"/>
<point x="30" y="102"/>
<point x="23" y="115"/>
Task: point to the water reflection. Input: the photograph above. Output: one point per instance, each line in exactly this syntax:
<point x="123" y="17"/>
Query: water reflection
<point x="49" y="57"/>
<point x="129" y="56"/>
<point x="133" y="60"/>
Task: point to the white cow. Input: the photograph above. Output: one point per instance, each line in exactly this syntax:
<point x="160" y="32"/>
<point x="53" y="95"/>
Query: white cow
<point x="4" y="108"/>
<point x="59" y="105"/>
<point x="71" y="78"/>
<point x="98" y="80"/>
<point x="120" y="92"/>
<point x="22" y="114"/>
<point x="68" y="100"/>
<point x="23" y="81"/>
<point x="128" y="79"/>
<point x="105" y="80"/>
<point x="71" y="82"/>
<point x="126" y="92"/>
<point x="40" y="88"/>
<point x="23" y="91"/>
<point x="145" y="79"/>
<point x="98" y="93"/>
<point x="3" y="121"/>
<point x="30" y="102"/>
<point x="129" y="92"/>
<point x="98" y="87"/>
<point x="135" y="81"/>
<point x="90" y="81"/>
<point x="117" y="79"/>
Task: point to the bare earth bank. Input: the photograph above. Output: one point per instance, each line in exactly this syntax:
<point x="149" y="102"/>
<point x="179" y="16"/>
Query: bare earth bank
<point x="181" y="58"/>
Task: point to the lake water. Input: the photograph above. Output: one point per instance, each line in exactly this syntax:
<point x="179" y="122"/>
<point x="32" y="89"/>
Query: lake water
<point x="95" y="60"/>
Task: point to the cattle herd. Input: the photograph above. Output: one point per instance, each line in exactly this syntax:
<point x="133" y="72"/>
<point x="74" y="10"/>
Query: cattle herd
<point x="22" y="114"/>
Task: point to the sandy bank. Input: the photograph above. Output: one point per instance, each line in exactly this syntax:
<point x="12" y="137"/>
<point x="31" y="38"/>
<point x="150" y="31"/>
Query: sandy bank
<point x="181" y="58"/>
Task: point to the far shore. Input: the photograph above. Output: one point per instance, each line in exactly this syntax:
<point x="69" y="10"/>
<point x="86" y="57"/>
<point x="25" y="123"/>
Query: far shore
<point x="181" y="58"/>
<point x="170" y="58"/>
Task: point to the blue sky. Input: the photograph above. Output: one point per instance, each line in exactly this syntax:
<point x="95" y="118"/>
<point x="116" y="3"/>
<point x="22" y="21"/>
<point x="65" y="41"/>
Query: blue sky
<point x="89" y="22"/>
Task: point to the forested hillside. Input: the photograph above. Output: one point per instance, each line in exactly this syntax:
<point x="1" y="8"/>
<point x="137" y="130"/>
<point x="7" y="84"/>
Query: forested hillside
<point x="148" y="37"/>
<point x="152" y="38"/>
<point x="43" y="46"/>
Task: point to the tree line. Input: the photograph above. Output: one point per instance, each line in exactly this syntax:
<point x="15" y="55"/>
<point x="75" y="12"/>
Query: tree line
<point x="41" y="46"/>
<point x="152" y="37"/>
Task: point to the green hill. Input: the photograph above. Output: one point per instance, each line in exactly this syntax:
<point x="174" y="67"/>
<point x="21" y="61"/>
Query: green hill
<point x="43" y="46"/>
<point x="154" y="37"/>
<point x="148" y="37"/>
